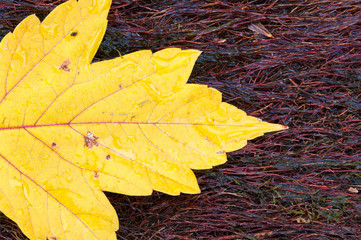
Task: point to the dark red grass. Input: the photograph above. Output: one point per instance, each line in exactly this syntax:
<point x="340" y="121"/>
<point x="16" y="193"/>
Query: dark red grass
<point x="287" y="185"/>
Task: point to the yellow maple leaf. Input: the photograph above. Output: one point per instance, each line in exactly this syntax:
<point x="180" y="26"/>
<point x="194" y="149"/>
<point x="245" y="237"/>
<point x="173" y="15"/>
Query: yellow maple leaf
<point x="71" y="130"/>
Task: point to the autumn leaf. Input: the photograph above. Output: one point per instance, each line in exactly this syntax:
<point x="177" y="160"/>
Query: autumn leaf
<point x="71" y="130"/>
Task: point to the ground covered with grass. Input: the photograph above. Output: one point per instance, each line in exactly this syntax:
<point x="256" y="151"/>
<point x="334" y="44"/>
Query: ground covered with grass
<point x="302" y="183"/>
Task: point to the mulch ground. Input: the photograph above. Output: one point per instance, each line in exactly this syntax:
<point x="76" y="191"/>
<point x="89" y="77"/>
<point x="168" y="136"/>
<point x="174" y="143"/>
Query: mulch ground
<point x="301" y="183"/>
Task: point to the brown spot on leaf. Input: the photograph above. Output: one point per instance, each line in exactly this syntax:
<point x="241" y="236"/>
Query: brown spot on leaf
<point x="90" y="140"/>
<point x="73" y="34"/>
<point x="107" y="157"/>
<point x="53" y="144"/>
<point x="65" y="65"/>
<point x="96" y="175"/>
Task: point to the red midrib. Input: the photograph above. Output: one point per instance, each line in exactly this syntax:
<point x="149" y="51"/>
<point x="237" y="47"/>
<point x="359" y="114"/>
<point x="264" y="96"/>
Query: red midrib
<point x="126" y="123"/>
